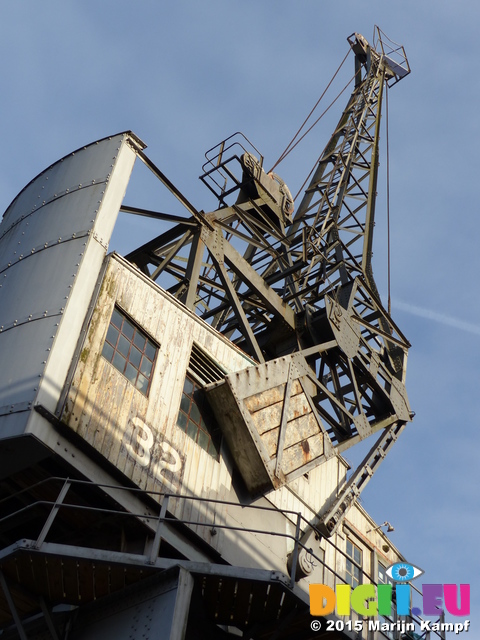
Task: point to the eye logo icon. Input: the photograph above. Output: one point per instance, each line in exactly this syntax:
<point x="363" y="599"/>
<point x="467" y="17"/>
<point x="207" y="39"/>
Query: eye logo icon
<point x="378" y="599"/>
<point x="403" y="572"/>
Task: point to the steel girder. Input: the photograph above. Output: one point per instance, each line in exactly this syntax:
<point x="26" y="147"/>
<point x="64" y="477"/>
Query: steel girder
<point x="277" y="285"/>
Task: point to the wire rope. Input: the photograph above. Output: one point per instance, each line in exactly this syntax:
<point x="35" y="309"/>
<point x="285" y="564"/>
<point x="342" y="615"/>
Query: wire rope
<point x="291" y="144"/>
<point x="388" y="204"/>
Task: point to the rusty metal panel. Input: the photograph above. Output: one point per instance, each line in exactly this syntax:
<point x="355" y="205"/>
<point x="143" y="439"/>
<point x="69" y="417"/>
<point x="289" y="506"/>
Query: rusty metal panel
<point x="53" y="238"/>
<point x="269" y="422"/>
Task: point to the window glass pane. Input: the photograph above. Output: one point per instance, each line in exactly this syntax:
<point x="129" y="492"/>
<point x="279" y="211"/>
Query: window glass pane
<point x="188" y="386"/>
<point x="195" y="409"/>
<point x="107" y="351"/>
<point x="142" y="383"/>
<point x="131" y="373"/>
<point x="146" y="367"/>
<point x="119" y="349"/>
<point x="212" y="449"/>
<point x="150" y="350"/>
<point x="182" y="421"/>
<point x="128" y="329"/>
<point x="112" y="335"/>
<point x="123" y="345"/>
<point x="117" y="318"/>
<point x="354" y="558"/>
<point x="192" y="430"/>
<point x="119" y="362"/>
<point x="195" y="413"/>
<point x="135" y="357"/>
<point x="203" y="440"/>
<point x="139" y="340"/>
<point x="185" y="404"/>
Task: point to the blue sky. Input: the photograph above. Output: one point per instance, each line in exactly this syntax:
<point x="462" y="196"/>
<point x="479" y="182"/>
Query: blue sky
<point x="183" y="75"/>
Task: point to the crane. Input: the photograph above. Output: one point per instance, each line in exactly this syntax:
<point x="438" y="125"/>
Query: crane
<point x="267" y="330"/>
<point x="296" y="289"/>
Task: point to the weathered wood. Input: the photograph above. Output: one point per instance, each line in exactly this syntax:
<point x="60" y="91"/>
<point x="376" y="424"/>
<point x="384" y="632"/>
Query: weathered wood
<point x="257" y="379"/>
<point x="269" y="396"/>
<point x="301" y="454"/>
<point x="297" y="431"/>
<point x="251" y="406"/>
<point x="269" y="417"/>
<point x="103" y="407"/>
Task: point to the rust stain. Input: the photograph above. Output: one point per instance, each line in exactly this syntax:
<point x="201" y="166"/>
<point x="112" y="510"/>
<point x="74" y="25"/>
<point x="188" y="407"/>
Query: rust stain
<point x="306" y="450"/>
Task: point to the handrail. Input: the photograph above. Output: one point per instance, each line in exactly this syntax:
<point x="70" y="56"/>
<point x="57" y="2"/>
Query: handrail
<point x="167" y="495"/>
<point x="300" y="523"/>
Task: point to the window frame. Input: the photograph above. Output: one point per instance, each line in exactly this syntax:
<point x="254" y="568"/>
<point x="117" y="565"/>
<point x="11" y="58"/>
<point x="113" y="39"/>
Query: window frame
<point x="387" y="580"/>
<point x="133" y="336"/>
<point x="350" y="577"/>
<point x="214" y="445"/>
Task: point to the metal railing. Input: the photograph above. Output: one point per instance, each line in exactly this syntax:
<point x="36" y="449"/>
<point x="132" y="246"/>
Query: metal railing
<point x="157" y="525"/>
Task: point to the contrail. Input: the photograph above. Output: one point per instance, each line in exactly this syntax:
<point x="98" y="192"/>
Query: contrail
<point x="437" y="317"/>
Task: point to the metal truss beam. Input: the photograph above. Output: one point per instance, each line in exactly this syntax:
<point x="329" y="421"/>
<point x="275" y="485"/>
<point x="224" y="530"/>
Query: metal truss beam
<point x="278" y="284"/>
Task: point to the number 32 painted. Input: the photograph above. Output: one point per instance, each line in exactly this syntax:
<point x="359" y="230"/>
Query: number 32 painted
<point x="141" y="452"/>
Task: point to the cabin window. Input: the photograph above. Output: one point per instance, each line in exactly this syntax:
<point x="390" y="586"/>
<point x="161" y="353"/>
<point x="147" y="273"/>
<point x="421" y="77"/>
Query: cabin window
<point x="383" y="578"/>
<point x="130" y="351"/>
<point x="196" y="419"/>
<point x="353" y="564"/>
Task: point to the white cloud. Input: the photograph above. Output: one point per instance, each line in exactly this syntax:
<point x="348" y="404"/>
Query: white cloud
<point x="437" y="317"/>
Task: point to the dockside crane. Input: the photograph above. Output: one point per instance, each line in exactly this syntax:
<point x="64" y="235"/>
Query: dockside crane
<point x="172" y="421"/>
<point x="296" y="291"/>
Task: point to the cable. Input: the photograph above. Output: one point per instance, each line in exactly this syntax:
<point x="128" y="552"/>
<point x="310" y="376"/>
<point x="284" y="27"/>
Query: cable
<point x="388" y="203"/>
<point x="308" y="131"/>
<point x="289" y="147"/>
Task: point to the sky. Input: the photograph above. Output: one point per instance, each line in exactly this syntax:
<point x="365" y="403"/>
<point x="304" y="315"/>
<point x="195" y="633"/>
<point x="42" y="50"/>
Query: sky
<point x="184" y="75"/>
